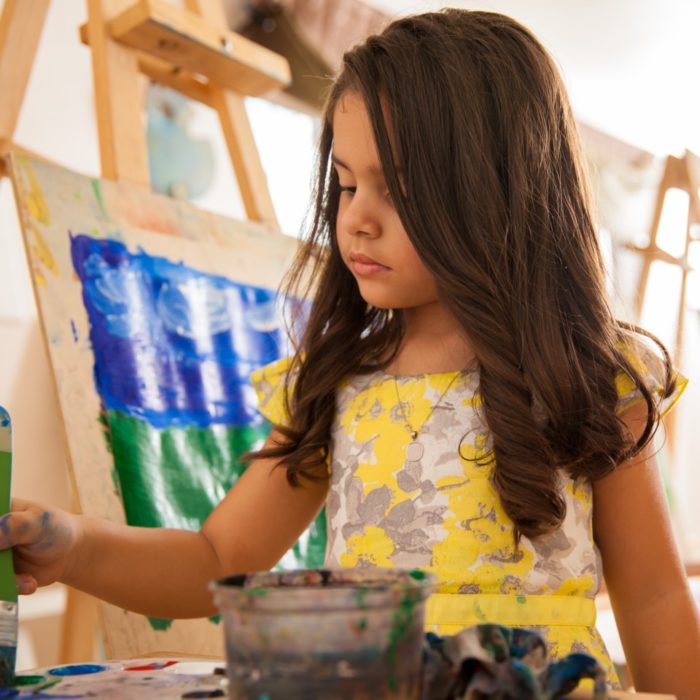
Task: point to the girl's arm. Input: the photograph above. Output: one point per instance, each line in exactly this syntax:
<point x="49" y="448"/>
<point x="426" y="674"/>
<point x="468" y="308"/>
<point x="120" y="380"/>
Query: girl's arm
<point x="654" y="609"/>
<point x="157" y="571"/>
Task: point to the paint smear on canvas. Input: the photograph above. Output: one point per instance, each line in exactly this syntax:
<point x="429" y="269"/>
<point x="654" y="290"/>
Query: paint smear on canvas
<point x="36" y="202"/>
<point x="174" y="346"/>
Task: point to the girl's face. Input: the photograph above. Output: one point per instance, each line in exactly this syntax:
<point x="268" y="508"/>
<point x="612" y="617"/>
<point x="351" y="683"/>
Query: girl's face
<point x="372" y="240"/>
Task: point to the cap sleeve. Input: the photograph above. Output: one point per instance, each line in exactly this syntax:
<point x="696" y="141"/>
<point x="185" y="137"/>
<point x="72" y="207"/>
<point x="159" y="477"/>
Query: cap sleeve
<point x="269" y="383"/>
<point x="652" y="370"/>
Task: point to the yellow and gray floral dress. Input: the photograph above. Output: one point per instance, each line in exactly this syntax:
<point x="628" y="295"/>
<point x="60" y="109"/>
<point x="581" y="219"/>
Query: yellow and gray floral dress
<point x="441" y="512"/>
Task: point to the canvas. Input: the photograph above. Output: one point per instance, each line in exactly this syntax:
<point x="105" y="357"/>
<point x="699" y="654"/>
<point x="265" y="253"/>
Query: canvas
<point x="154" y="314"/>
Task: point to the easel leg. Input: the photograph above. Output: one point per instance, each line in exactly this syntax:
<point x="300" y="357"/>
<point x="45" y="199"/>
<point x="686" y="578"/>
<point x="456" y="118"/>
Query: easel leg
<point x="118" y="100"/>
<point x="79" y="629"/>
<point x="679" y="173"/>
<point x="20" y="30"/>
<point x="21" y="23"/>
<point x="235" y="125"/>
<point x="245" y="158"/>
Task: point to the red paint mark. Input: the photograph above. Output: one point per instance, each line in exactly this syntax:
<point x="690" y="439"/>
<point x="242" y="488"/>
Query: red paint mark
<point x="154" y="666"/>
<point x="151" y="221"/>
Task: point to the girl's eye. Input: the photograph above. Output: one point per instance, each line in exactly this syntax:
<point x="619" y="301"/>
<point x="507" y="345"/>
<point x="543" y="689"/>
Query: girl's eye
<point x="351" y="190"/>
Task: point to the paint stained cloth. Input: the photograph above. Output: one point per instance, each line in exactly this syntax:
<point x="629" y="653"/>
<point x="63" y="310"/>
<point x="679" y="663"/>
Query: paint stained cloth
<point x="491" y="662"/>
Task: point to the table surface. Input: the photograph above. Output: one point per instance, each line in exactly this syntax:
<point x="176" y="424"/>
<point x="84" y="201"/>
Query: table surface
<point x="161" y="678"/>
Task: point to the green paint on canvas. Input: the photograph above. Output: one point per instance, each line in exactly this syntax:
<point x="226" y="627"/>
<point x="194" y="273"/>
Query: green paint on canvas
<point x="97" y="191"/>
<point x="104" y="425"/>
<point x="175" y="477"/>
<point x="310" y="550"/>
<point x="160" y="624"/>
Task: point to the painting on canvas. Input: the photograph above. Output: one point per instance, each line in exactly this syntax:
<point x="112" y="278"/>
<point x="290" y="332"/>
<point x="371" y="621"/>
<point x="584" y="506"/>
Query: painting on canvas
<point x="154" y="314"/>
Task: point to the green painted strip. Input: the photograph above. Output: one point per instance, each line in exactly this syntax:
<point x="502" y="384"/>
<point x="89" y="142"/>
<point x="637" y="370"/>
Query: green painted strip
<point x="175" y="478"/>
<point x="160" y="624"/>
<point x="8" y="586"/>
<point x="97" y="191"/>
<point x="5" y="480"/>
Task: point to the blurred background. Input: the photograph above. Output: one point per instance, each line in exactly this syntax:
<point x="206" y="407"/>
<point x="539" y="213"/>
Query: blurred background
<point x="631" y="68"/>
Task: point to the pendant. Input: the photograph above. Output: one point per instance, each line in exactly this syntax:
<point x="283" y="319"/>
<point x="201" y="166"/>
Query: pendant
<point x="414" y="452"/>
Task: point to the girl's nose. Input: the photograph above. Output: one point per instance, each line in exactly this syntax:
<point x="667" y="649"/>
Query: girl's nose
<point x="360" y="218"/>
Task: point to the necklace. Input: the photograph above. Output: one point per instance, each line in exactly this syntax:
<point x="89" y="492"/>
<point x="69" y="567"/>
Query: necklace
<point x="414" y="450"/>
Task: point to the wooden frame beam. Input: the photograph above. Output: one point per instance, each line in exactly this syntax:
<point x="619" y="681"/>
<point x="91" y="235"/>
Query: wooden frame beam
<point x="21" y="24"/>
<point x="189" y="41"/>
<point x="192" y="51"/>
<point x="118" y="100"/>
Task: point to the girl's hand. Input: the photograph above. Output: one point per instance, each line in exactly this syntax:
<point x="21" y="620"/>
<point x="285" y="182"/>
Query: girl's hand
<point x="43" y="540"/>
<point x="163" y="572"/>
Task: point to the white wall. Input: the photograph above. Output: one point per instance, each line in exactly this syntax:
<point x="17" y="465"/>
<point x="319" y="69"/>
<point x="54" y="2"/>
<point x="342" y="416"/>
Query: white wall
<point x="630" y="66"/>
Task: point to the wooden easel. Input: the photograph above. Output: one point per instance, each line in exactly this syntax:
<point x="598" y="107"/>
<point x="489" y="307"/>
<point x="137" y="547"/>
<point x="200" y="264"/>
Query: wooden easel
<point x="189" y="49"/>
<point x="684" y="174"/>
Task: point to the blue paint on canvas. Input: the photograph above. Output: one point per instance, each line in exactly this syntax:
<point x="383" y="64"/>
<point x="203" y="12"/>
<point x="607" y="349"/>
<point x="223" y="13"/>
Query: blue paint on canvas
<point x="174" y="346"/>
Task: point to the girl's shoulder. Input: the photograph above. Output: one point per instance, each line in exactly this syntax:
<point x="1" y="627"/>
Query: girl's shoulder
<point x="270" y="384"/>
<point x="651" y="367"/>
<point x="272" y="373"/>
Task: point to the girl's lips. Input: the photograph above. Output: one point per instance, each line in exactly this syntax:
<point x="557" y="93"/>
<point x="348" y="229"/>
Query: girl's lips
<point x="365" y="266"/>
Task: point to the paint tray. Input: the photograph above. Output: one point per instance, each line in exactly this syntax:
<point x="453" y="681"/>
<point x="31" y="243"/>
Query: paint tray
<point x="344" y="634"/>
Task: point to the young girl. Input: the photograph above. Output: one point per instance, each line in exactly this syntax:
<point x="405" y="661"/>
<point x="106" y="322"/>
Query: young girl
<point x="462" y="399"/>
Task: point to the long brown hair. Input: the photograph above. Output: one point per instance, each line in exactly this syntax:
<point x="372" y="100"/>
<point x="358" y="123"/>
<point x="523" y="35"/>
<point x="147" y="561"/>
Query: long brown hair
<point x="494" y="199"/>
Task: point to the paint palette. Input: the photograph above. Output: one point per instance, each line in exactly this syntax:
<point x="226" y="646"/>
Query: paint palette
<point x="124" y="680"/>
<point x="324" y="634"/>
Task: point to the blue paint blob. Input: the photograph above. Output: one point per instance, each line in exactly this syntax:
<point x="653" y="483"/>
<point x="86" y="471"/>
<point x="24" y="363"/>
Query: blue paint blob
<point x="175" y="346"/>
<point x="77" y="670"/>
<point x="74" y="330"/>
